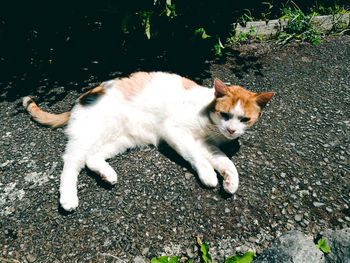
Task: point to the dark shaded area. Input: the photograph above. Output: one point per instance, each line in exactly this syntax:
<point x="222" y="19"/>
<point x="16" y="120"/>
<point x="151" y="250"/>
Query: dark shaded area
<point x="230" y="148"/>
<point x="45" y="45"/>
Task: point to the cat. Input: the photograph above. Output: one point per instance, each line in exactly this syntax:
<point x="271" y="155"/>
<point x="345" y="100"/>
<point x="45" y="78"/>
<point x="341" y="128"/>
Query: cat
<point x="143" y="109"/>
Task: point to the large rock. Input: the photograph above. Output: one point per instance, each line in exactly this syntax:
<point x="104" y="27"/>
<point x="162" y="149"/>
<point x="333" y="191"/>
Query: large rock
<point x="339" y="243"/>
<point x="292" y="247"/>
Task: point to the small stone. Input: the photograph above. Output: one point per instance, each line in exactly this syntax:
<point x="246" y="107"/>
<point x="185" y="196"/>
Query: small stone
<point x="283" y="175"/>
<point x="31" y="258"/>
<point x="330" y="210"/>
<point x="293" y="196"/>
<point x="227" y="210"/>
<point x="252" y="239"/>
<point x="145" y="251"/>
<point x="318" y="204"/>
<point x="188" y="176"/>
<point x="190" y="253"/>
<point x="306" y="222"/>
<point x="292" y="246"/>
<point x="298" y="218"/>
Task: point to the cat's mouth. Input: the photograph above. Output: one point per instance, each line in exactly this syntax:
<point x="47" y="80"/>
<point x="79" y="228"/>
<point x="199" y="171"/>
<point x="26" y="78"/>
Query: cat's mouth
<point x="231" y="136"/>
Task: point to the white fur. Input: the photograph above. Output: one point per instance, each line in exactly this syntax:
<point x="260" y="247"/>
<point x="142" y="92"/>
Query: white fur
<point x="233" y="123"/>
<point x="162" y="110"/>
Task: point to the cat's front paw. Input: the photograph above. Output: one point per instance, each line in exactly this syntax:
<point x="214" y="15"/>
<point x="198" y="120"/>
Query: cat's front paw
<point x="231" y="180"/>
<point x="208" y="177"/>
<point x="69" y="202"/>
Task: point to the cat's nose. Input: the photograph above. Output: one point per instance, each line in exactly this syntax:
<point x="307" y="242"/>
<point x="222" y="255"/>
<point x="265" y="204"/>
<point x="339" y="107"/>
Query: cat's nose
<point x="231" y="131"/>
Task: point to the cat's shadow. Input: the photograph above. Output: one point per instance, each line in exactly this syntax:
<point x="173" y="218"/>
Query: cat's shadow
<point x="98" y="179"/>
<point x="230" y="149"/>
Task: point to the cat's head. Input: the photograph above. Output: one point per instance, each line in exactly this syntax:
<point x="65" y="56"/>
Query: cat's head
<point x="235" y="109"/>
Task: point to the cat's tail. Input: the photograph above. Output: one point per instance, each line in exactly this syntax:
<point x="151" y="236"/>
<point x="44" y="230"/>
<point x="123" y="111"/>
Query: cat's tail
<point x="45" y="118"/>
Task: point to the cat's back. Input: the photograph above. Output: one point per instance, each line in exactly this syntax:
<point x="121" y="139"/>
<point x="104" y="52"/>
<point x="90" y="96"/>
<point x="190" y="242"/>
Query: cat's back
<point x="146" y="91"/>
<point x="154" y="84"/>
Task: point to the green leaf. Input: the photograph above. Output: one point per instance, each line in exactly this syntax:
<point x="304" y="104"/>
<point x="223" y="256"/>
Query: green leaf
<point x="251" y="30"/>
<point x="321" y="244"/>
<point x="246" y="258"/>
<point x="148" y="28"/>
<point x="201" y="31"/>
<point x="163" y="259"/>
<point x="218" y="51"/>
<point x="168" y="11"/>
<point x="145" y="21"/>
<point x="221" y="45"/>
<point x="205" y="253"/>
<point x="125" y="21"/>
<point x="174" y="260"/>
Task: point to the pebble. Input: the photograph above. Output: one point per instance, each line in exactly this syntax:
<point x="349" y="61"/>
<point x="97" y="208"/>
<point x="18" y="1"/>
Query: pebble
<point x="318" y="204"/>
<point x="31" y="258"/>
<point x="190" y="253"/>
<point x="330" y="210"/>
<point x="188" y="176"/>
<point x="298" y="217"/>
<point x="306" y="222"/>
<point x="145" y="251"/>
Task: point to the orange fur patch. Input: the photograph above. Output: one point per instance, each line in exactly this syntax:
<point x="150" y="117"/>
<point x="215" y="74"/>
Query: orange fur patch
<point x="134" y="83"/>
<point x="45" y="118"/>
<point x="188" y="84"/>
<point x="99" y="90"/>
<point x="248" y="102"/>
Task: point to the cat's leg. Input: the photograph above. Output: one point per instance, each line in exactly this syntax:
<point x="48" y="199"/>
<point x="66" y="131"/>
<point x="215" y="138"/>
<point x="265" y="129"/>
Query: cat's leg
<point x="96" y="158"/>
<point x="73" y="162"/>
<point x="224" y="166"/>
<point x="190" y="150"/>
<point x="97" y="164"/>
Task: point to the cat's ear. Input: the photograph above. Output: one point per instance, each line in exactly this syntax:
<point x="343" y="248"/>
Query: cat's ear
<point x="220" y="88"/>
<point x="263" y="98"/>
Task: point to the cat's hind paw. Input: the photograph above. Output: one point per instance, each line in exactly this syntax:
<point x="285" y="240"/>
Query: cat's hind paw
<point x="110" y="177"/>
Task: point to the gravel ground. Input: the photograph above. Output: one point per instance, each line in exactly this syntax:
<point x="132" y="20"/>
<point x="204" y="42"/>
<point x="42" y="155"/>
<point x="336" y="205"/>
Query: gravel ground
<point x="294" y="171"/>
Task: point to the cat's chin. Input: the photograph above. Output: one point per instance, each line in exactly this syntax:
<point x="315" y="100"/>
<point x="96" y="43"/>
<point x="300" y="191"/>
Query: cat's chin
<point x="231" y="136"/>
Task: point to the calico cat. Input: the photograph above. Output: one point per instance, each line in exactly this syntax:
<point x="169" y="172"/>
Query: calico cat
<point x="144" y="109"/>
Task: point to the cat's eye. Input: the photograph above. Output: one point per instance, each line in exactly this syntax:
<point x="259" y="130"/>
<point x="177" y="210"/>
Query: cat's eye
<point x="245" y="119"/>
<point x="225" y="115"/>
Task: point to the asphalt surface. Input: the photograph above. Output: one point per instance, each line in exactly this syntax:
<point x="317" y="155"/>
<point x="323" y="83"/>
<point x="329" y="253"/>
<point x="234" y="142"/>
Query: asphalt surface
<point x="294" y="171"/>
